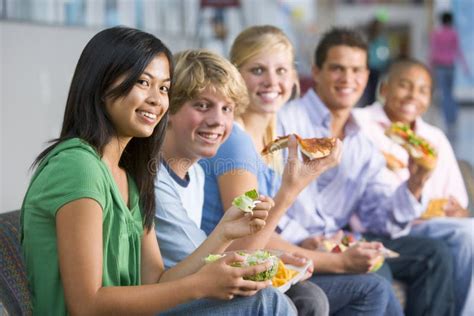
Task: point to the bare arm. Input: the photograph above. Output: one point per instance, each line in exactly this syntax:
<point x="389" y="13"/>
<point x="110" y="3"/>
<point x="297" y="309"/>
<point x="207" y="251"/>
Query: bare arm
<point x="215" y="243"/>
<point x="79" y="230"/>
<point x="297" y="175"/>
<point x="234" y="224"/>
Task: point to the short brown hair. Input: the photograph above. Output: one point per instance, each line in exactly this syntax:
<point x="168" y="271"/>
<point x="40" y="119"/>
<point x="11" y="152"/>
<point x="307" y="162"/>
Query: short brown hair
<point x="198" y="69"/>
<point x="337" y="36"/>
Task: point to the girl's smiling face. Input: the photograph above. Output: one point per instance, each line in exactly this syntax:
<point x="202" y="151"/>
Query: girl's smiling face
<point x="270" y="78"/>
<point x="138" y="113"/>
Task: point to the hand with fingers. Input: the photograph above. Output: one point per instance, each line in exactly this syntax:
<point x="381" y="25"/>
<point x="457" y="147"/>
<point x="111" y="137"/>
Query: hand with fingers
<point x="312" y="242"/>
<point x="454" y="209"/>
<point x="298" y="260"/>
<point x="418" y="177"/>
<point x="298" y="174"/>
<point x="236" y="224"/>
<point x="222" y="281"/>
<point x="362" y="257"/>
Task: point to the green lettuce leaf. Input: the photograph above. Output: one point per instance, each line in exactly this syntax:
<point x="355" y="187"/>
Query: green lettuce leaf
<point x="245" y="202"/>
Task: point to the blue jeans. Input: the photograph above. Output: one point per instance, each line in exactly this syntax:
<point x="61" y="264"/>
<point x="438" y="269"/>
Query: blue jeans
<point x="426" y="266"/>
<point x="358" y="294"/>
<point x="267" y="302"/>
<point x="444" y="76"/>
<point x="458" y="234"/>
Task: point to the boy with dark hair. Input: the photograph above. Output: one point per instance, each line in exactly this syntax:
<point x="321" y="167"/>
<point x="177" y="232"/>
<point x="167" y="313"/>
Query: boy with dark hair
<point x="406" y="95"/>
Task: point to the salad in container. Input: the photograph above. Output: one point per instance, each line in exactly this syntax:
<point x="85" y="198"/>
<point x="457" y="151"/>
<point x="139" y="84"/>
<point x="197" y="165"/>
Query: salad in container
<point x="253" y="258"/>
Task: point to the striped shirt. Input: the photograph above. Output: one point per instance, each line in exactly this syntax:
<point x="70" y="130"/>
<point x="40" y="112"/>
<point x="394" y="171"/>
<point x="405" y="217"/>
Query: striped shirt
<point x="358" y="185"/>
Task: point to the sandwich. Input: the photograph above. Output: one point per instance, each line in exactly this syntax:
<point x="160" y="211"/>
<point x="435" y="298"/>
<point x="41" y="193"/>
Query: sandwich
<point x="417" y="147"/>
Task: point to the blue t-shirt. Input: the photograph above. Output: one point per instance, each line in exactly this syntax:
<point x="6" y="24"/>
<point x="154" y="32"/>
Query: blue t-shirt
<point x="237" y="152"/>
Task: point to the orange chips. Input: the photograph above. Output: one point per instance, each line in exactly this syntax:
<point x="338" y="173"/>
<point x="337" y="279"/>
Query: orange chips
<point x="435" y="209"/>
<point x="283" y="275"/>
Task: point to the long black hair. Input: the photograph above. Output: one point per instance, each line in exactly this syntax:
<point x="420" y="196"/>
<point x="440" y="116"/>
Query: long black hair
<point x="114" y="53"/>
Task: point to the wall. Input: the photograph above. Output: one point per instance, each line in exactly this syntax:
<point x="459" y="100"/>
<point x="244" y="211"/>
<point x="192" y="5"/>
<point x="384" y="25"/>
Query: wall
<point x="37" y="63"/>
<point x="417" y="17"/>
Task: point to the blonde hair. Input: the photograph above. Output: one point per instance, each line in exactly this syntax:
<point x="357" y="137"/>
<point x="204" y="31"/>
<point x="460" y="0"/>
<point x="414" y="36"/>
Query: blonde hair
<point x="197" y="70"/>
<point x="252" y="42"/>
<point x="257" y="39"/>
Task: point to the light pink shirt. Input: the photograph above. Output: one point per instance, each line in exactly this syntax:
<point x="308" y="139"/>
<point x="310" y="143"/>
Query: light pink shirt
<point x="444" y="47"/>
<point x="446" y="179"/>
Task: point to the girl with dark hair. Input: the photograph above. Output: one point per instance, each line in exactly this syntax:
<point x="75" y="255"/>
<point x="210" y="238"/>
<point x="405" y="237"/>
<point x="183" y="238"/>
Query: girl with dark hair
<point x="87" y="217"/>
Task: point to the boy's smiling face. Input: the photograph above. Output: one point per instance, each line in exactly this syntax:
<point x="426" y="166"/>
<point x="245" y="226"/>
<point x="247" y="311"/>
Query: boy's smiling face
<point x="407" y="93"/>
<point x="201" y="125"/>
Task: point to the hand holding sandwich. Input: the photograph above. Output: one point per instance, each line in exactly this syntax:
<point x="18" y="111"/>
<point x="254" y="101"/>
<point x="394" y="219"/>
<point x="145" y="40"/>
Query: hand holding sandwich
<point x="418" y="176"/>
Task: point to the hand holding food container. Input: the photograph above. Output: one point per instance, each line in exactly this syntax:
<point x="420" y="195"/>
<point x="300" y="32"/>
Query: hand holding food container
<point x="237" y="273"/>
<point x="360" y="256"/>
<point x="282" y="275"/>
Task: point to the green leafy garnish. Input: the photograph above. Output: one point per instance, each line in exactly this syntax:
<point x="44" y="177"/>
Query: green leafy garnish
<point x="245" y="202"/>
<point x="253" y="194"/>
<point x="212" y="258"/>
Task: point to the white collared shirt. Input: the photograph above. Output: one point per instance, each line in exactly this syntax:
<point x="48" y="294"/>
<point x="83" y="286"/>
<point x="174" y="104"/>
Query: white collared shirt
<point x="357" y="186"/>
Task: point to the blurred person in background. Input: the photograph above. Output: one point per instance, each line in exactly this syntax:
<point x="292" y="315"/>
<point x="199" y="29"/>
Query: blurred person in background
<point x="445" y="51"/>
<point x="406" y="94"/>
<point x="379" y="57"/>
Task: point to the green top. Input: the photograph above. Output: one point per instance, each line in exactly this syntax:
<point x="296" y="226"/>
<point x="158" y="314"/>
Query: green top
<point x="71" y="171"/>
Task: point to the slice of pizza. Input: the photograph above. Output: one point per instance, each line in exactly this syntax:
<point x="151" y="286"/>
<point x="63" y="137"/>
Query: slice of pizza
<point x="417" y="147"/>
<point x="313" y="148"/>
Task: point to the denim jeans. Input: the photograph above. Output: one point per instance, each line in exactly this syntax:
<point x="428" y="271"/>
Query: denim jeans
<point x="309" y="299"/>
<point x="425" y="265"/>
<point x="444" y="76"/>
<point x="267" y="302"/>
<point x="458" y="234"/>
<point x="358" y="294"/>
